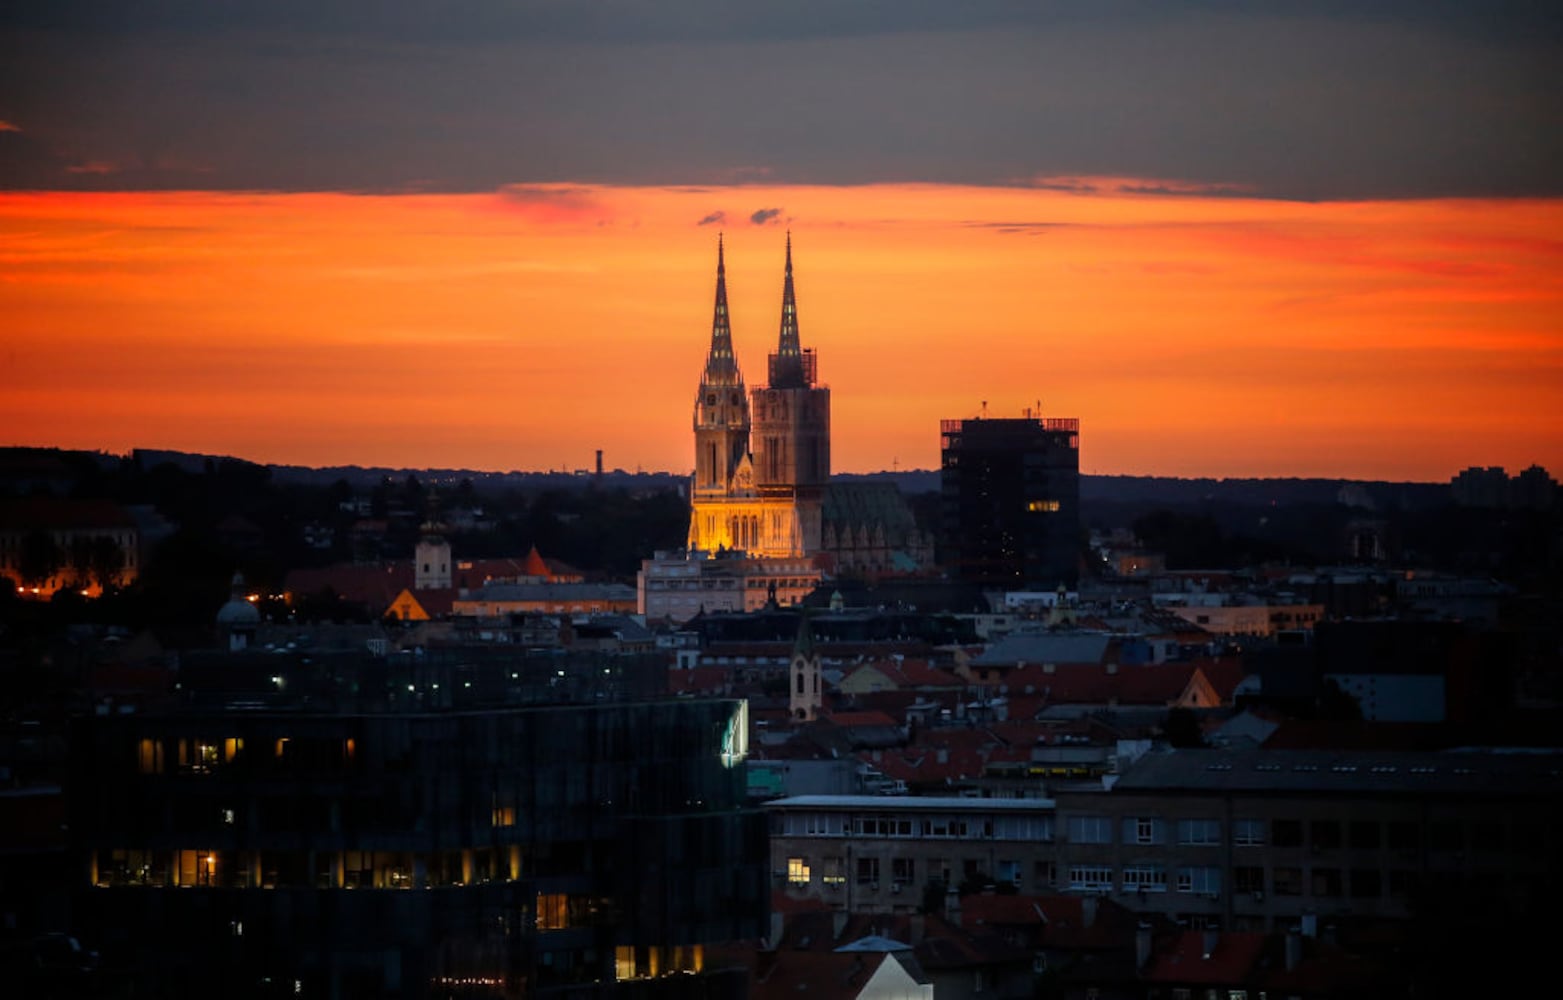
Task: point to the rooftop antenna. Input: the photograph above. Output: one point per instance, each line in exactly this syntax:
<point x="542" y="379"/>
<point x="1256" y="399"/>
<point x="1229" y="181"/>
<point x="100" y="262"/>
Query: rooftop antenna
<point x="984" y="409"/>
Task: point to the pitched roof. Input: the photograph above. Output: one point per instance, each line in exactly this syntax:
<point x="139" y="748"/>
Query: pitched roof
<point x="1045" y="647"/>
<point x="815" y="973"/>
<point x="534" y="565"/>
<point x="1231" y="962"/>
<point x="1094" y="684"/>
<point x="849" y="720"/>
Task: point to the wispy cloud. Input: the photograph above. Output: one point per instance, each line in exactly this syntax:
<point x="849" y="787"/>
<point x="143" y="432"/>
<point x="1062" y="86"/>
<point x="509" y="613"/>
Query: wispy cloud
<point x="714" y="217"/>
<point x="95" y="167"/>
<point x="1137" y="185"/>
<point x="553" y="202"/>
<point x="6" y="126"/>
<point x="764" y="216"/>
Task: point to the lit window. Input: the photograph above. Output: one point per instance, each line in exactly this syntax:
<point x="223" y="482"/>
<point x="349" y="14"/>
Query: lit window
<point x="1043" y="506"/>
<point x="797" y="871"/>
<point x="553" y="911"/>
<point x="149" y="755"/>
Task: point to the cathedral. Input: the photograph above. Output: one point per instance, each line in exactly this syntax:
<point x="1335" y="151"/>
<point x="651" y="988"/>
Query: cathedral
<point x="762" y="456"/>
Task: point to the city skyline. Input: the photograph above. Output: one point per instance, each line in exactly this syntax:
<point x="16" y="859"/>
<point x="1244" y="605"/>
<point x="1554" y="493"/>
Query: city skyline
<point x="341" y="247"/>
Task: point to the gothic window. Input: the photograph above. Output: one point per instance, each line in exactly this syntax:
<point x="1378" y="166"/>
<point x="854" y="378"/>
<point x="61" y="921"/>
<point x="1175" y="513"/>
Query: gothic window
<point x="800" y="682"/>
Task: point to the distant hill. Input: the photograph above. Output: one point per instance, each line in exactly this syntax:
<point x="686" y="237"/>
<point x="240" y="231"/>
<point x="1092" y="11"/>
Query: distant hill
<point x="1129" y="491"/>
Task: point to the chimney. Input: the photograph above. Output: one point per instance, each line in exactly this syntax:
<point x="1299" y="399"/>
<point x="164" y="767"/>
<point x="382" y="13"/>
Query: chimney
<point x="918" y="924"/>
<point x="838" y="923"/>
<point x="1293" y="947"/>
<point x="952" y="907"/>
<point x="777" y="924"/>
<point x="1088" y="911"/>
<point x="1210" y="939"/>
<point x="1142" y="945"/>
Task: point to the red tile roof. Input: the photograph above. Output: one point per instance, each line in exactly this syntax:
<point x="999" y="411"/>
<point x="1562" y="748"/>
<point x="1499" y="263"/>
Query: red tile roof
<point x="814" y="973"/>
<point x="848" y="720"/>
<point x="699" y="680"/>
<point x="1231" y="962"/>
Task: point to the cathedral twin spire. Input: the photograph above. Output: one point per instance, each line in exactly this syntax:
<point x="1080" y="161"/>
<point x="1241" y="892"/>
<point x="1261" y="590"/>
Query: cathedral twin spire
<point x="787" y="366"/>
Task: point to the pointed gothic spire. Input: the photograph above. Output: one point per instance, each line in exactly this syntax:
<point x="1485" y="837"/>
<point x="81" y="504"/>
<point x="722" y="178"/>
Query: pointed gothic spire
<point x="787" y="363"/>
<point x="721" y="366"/>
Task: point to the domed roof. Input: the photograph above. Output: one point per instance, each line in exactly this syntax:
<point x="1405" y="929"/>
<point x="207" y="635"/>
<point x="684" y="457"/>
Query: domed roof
<point x="238" y="610"/>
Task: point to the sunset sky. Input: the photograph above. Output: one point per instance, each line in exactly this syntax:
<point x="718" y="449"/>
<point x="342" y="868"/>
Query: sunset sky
<point x="1324" y="242"/>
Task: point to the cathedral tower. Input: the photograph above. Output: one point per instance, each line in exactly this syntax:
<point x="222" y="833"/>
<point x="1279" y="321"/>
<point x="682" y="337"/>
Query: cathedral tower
<point x="759" y="483"/>
<point x="791" y="432"/>
<point x="721" y="406"/>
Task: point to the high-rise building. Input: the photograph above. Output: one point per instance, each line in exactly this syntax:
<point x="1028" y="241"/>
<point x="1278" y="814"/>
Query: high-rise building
<point x="1010" y="505"/>
<point x="462" y="823"/>
<point x="766" y="498"/>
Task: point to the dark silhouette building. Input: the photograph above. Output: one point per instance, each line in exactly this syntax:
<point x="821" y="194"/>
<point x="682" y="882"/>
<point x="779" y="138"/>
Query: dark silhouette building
<point x="411" y="826"/>
<point x="1010" y="506"/>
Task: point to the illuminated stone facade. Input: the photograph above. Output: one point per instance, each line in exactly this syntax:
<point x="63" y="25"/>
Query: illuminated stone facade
<point x="762" y="460"/>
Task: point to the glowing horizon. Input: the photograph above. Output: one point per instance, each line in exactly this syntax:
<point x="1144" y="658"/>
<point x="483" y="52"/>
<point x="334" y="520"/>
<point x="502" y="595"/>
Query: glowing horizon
<point x="1193" y="333"/>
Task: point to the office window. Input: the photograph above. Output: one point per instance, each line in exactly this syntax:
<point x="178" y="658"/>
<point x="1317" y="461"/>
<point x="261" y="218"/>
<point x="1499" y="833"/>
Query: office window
<point x="1248" y="878"/>
<point x="1248" y="832"/>
<point x="1045" y="873"/>
<point x="1324" y="834"/>
<point x="867" y="871"/>
<point x="1326" y="882"/>
<point x="1090" y="830"/>
<point x="1286" y="833"/>
<point x="1364" y="834"/>
<point x="903" y="870"/>
<point x="1199" y="832"/>
<point x="1205" y="880"/>
<point x="1090" y="877"/>
<point x="1144" y="878"/>
<point x="1144" y="830"/>
<point x="1287" y="881"/>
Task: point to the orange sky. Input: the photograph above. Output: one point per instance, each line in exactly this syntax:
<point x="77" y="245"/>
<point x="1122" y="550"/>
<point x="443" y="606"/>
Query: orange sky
<point x="1191" y="334"/>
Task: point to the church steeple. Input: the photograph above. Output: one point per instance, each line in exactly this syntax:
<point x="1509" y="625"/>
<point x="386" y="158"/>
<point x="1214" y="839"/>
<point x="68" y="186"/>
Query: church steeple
<point x="721" y="409"/>
<point x="788" y="365"/>
<point x="721" y="365"/>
